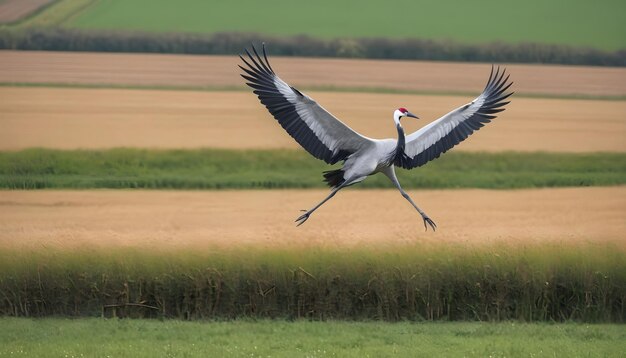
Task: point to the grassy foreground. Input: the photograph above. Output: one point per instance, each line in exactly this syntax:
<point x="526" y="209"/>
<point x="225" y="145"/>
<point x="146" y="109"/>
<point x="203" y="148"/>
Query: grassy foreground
<point x="581" y="282"/>
<point x="150" y="338"/>
<point x="233" y="169"/>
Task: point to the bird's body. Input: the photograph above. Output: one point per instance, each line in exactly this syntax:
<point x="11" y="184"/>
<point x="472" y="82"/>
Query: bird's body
<point x="369" y="160"/>
<point x="327" y="138"/>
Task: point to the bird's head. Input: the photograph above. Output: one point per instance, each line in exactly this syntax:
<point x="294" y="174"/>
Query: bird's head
<point x="402" y="112"/>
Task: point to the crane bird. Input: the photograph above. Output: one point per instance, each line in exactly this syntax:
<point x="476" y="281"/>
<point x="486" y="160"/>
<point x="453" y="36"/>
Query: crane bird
<point x="327" y="138"/>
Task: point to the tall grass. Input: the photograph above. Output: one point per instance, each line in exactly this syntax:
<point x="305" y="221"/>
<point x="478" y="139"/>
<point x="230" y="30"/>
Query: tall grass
<point x="439" y="282"/>
<point x="217" y="169"/>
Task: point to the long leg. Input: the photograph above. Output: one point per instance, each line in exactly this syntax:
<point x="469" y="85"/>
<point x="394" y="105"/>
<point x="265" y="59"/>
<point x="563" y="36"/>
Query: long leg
<point x="304" y="217"/>
<point x="391" y="174"/>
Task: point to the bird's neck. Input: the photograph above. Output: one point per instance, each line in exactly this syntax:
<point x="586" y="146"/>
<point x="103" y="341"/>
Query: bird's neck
<point x="401" y="141"/>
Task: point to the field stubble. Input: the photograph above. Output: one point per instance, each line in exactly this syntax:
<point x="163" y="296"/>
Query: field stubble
<point x="65" y="118"/>
<point x="363" y="218"/>
<point x="222" y="71"/>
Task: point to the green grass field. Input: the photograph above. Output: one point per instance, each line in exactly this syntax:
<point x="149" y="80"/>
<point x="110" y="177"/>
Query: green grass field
<point x="149" y="338"/>
<point x="577" y="23"/>
<point x="220" y="169"/>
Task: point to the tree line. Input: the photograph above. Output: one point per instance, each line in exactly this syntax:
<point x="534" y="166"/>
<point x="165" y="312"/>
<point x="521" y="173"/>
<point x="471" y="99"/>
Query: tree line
<point x="59" y="39"/>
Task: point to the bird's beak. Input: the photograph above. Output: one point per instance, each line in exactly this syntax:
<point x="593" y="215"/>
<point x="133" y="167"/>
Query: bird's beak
<point x="409" y="114"/>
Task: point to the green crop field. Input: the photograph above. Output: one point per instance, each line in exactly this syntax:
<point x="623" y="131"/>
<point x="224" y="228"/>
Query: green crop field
<point x="142" y="338"/>
<point x="578" y="23"/>
<point x="219" y="169"/>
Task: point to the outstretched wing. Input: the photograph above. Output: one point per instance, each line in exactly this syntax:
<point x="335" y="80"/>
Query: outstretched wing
<point x="432" y="140"/>
<point x="319" y="132"/>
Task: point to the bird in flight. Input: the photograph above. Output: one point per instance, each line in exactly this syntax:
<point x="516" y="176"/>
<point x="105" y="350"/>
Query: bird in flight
<point x="327" y="138"/>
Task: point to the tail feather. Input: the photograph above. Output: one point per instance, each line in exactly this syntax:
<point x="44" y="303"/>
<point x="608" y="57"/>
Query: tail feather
<point x="334" y="178"/>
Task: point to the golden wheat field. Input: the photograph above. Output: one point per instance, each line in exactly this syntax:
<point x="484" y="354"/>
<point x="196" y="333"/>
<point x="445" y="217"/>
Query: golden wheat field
<point x="354" y="218"/>
<point x="69" y="118"/>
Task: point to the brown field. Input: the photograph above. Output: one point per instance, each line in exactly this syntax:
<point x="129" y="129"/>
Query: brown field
<point x="354" y="218"/>
<point x="105" y="118"/>
<point x="14" y="10"/>
<point x="217" y="71"/>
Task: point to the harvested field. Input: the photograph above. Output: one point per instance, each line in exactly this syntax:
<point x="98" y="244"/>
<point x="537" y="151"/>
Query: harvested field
<point x="66" y="118"/>
<point x="178" y="220"/>
<point x="222" y="71"/>
<point x="14" y="10"/>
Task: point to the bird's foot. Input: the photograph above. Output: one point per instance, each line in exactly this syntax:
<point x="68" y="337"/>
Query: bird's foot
<point x="304" y="217"/>
<point x="430" y="223"/>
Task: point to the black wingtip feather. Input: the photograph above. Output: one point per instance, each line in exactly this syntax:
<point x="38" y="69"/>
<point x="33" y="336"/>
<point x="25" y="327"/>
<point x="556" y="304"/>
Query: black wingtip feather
<point x="258" y="67"/>
<point x="267" y="70"/>
<point x="266" y="61"/>
<point x="494" y="80"/>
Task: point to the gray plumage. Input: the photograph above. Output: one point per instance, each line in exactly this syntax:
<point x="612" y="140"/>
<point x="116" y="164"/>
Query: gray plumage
<point x="327" y="138"/>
